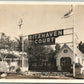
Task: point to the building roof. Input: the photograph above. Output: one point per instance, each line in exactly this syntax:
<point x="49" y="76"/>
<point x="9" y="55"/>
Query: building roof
<point x="77" y="51"/>
<point x="65" y="45"/>
<point x="12" y="54"/>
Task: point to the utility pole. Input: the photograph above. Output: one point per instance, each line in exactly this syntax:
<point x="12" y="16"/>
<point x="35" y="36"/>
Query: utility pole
<point x="20" y="25"/>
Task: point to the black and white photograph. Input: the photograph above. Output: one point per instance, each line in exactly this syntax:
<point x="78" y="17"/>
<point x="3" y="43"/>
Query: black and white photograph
<point x="41" y="41"/>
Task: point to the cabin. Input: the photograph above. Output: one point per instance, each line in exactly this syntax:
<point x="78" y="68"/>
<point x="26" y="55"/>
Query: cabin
<point x="65" y="58"/>
<point x="14" y="60"/>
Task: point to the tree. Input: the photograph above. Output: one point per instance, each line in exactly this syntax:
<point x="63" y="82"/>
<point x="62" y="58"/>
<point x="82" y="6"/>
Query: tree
<point x="19" y="43"/>
<point x="57" y="48"/>
<point x="81" y="46"/>
<point x="42" y="56"/>
<point x="5" y="44"/>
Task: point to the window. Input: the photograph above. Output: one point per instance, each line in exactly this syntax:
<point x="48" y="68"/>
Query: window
<point x="65" y="61"/>
<point x="65" y="50"/>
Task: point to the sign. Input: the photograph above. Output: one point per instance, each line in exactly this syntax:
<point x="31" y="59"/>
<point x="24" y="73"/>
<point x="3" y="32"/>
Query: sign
<point x="46" y="38"/>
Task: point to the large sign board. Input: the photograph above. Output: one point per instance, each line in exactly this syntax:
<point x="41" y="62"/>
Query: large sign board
<point x="45" y="38"/>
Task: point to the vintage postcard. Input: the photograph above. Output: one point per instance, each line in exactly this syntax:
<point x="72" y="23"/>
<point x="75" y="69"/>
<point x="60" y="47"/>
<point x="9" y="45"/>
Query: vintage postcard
<point x="41" y="40"/>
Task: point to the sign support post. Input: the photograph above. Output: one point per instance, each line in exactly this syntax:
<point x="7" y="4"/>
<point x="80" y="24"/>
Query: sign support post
<point x="22" y="60"/>
<point x="22" y="53"/>
<point x="73" y="41"/>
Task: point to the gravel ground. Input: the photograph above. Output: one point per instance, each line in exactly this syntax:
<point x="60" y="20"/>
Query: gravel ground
<point x="20" y="76"/>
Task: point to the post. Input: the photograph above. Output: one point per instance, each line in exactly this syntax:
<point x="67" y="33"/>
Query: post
<point x="73" y="37"/>
<point x="22" y="53"/>
<point x="20" y="25"/>
<point x="73" y="54"/>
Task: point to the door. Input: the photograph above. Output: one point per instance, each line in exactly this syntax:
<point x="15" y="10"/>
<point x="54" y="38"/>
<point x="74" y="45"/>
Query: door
<point x="65" y="63"/>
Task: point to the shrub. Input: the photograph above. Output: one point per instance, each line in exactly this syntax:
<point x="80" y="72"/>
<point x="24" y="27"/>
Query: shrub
<point x="78" y="65"/>
<point x="18" y="70"/>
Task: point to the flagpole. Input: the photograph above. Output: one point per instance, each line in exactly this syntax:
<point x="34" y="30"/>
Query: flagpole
<point x="73" y="34"/>
<point x="73" y="40"/>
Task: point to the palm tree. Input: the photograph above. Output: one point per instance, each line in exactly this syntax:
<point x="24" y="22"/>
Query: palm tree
<point x="19" y="41"/>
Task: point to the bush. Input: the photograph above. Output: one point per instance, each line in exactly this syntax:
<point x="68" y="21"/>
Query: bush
<point x="78" y="65"/>
<point x="18" y="70"/>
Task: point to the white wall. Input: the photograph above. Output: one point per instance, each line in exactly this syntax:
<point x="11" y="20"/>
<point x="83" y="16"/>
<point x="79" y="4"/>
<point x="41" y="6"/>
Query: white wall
<point x="62" y="54"/>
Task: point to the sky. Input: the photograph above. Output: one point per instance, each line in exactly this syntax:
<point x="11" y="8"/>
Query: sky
<point x="36" y="18"/>
<point x="40" y="18"/>
<point x="79" y="21"/>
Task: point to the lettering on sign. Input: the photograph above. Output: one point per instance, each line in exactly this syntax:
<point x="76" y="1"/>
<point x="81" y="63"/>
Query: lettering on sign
<point x="46" y="38"/>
